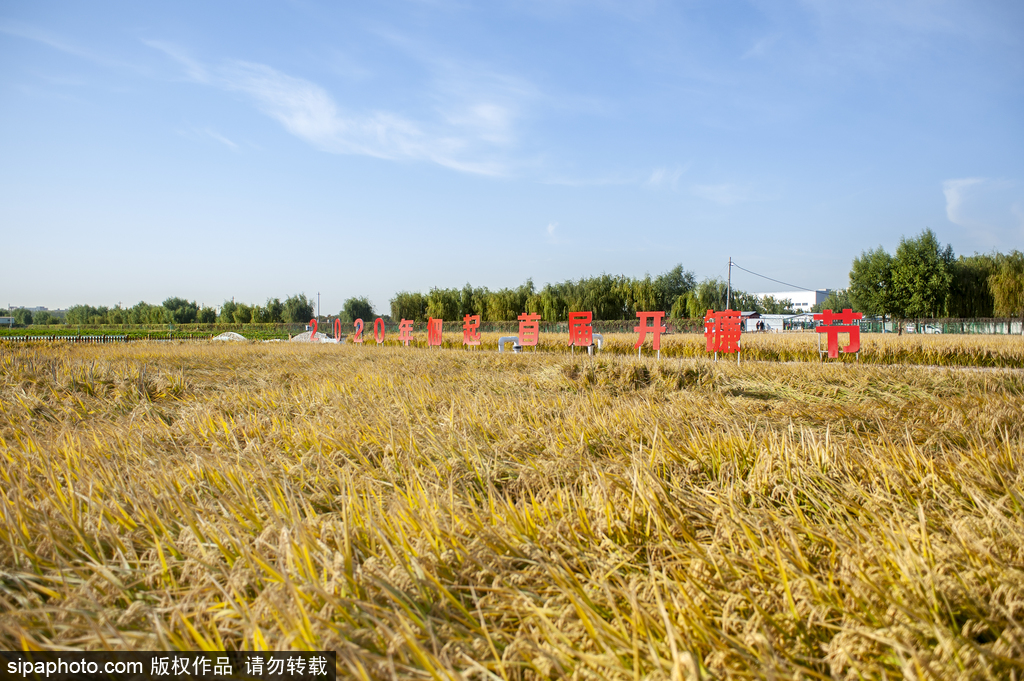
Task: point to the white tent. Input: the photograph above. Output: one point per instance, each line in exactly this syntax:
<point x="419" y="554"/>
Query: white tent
<point x="229" y="336"/>
<point x="320" y="338"/>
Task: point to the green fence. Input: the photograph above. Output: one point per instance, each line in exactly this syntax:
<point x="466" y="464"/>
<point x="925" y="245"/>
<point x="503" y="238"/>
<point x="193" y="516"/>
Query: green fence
<point x="996" y="326"/>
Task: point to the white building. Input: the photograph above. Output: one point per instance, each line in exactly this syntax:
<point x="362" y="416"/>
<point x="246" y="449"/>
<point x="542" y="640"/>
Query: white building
<point x="802" y="300"/>
<point x="782" y="322"/>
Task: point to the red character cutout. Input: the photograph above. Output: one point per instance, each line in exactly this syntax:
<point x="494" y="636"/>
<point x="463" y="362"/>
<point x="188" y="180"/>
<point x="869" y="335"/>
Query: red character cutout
<point x="656" y="328"/>
<point x="405" y="331"/>
<point x="581" y="333"/>
<point x="434" y="329"/>
<point x="358" y="324"/>
<point x="378" y="330"/>
<point x="529" y="329"/>
<point x="471" y="329"/>
<point x="722" y="330"/>
<point x="834" y="324"/>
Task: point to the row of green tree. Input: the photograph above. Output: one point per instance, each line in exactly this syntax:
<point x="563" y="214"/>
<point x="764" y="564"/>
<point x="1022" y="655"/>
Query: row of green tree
<point x="675" y="292"/>
<point x="924" y="279"/>
<point x="294" y="309"/>
<point x="609" y="297"/>
<point x="23" y="316"/>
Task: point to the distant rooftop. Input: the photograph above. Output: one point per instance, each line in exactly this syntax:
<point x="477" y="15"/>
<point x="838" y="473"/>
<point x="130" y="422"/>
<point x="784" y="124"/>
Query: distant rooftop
<point x="802" y="300"/>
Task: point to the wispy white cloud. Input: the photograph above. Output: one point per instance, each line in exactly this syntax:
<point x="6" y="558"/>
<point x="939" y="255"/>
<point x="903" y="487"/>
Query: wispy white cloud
<point x="553" y="236"/>
<point x="607" y="181"/>
<point x="662" y="177"/>
<point x="725" y="194"/>
<point x="989" y="209"/>
<point x="468" y="95"/>
<point x="307" y="111"/>
<point x="55" y="42"/>
<point x="665" y="177"/>
<point x="490" y="122"/>
<point x="956" y="192"/>
<point x="760" y="47"/>
<point x="912" y="15"/>
<point x="629" y="10"/>
<point x="208" y="134"/>
<point x="195" y="70"/>
<point x="346" y="66"/>
<point x="221" y="138"/>
<point x="466" y="136"/>
<point x="887" y="35"/>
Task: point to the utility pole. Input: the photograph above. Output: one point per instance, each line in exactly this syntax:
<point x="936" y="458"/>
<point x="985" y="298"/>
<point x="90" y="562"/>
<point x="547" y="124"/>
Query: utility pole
<point x="728" y="290"/>
<point x="318" y="305"/>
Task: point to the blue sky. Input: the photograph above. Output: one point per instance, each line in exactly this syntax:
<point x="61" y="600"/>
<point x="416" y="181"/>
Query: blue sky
<point x="212" y="150"/>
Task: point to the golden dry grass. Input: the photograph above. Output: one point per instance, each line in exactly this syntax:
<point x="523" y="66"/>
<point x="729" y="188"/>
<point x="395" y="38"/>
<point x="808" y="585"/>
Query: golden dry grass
<point x="452" y="514"/>
<point x="937" y="349"/>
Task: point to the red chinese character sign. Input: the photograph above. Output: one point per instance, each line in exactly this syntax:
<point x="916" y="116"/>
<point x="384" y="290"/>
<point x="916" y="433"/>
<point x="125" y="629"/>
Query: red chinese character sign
<point x="581" y="333"/>
<point x="471" y="329"/>
<point x="529" y="329"/>
<point x="655" y="329"/>
<point x="722" y="331"/>
<point x="833" y="324"/>
<point x="405" y="331"/>
<point x="434" y="331"/>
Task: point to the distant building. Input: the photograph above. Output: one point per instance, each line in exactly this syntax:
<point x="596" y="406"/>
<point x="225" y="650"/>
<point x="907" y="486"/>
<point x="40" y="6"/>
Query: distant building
<point x="745" y="320"/>
<point x="773" y="322"/>
<point x="802" y="300"/>
<point x="782" y="322"/>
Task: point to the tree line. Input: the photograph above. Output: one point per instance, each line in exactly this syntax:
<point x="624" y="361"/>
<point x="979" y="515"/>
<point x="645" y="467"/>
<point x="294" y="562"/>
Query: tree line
<point x="922" y="279"/>
<point x="294" y="309"/>
<point x="609" y="297"/>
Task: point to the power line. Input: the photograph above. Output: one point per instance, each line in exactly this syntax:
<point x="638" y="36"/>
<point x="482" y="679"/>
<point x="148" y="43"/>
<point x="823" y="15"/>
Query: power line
<point x="770" y="279"/>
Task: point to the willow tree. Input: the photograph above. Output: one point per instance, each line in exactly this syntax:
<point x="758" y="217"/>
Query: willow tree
<point x="1007" y="286"/>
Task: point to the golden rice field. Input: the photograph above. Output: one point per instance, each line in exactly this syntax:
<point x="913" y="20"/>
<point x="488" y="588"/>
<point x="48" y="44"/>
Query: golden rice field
<point x="940" y="350"/>
<point x="447" y="514"/>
